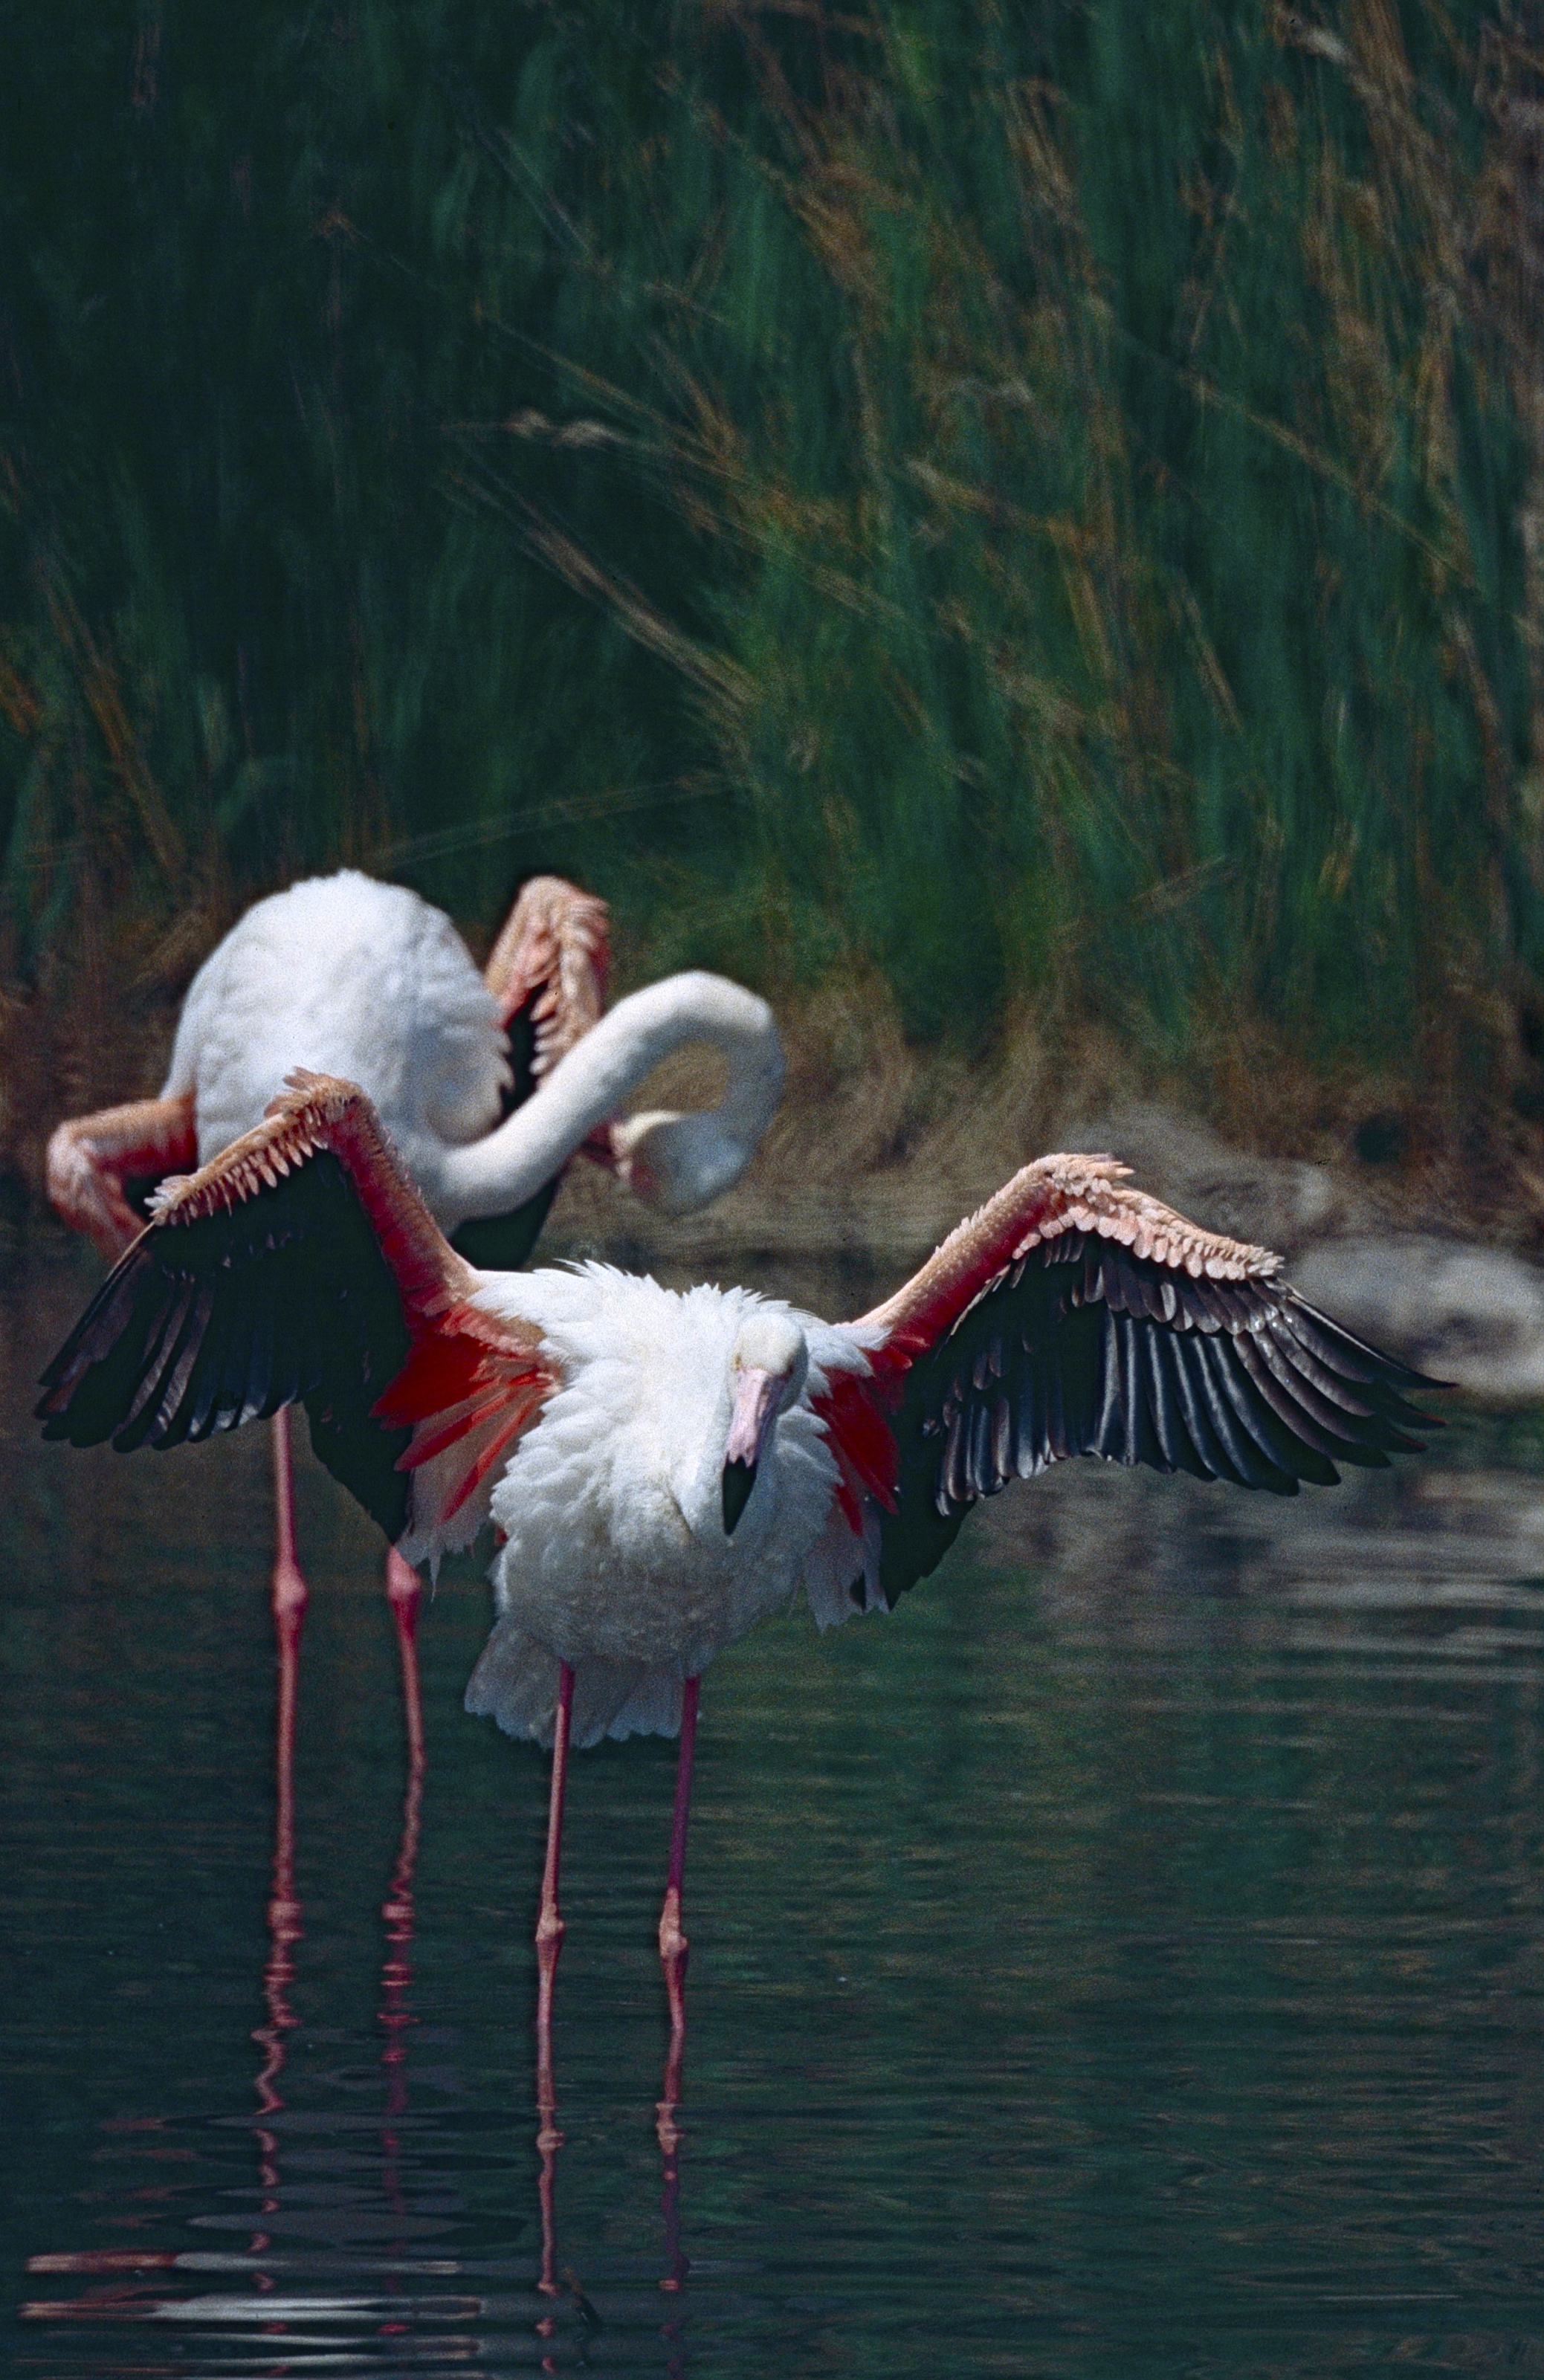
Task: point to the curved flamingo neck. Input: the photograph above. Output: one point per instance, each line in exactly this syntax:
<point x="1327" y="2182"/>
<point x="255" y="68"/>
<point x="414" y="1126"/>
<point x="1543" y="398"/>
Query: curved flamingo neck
<point x="591" y="1083"/>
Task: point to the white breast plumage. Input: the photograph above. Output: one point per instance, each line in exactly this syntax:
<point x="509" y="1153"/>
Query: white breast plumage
<point x="615" y="1557"/>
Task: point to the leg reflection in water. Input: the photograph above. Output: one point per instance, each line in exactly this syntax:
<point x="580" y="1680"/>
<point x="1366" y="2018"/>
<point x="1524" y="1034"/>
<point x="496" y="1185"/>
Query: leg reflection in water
<point x="290" y="1597"/>
<point x="285" y="2309"/>
<point x="674" y="1949"/>
<point x="674" y="1946"/>
<point x="283" y="1931"/>
<point x="284" y="1912"/>
<point x="396" y="1975"/>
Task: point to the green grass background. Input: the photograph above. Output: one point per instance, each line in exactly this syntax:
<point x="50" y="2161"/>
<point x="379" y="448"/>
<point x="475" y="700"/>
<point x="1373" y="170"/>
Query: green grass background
<point x="1035" y="507"/>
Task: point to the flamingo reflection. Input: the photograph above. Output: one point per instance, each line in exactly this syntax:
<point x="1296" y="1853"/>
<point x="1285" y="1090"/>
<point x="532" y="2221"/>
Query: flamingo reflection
<point x="396" y="1976"/>
<point x="267" y="2301"/>
<point x="549" y="1930"/>
<point x="285" y="1915"/>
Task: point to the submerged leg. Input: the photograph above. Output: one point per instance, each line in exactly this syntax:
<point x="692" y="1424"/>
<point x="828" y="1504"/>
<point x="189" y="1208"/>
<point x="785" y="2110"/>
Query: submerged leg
<point x="549" y="1941"/>
<point x="405" y="1592"/>
<point x="674" y="1945"/>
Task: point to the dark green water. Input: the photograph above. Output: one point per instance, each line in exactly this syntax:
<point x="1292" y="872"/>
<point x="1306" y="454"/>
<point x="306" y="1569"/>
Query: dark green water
<point x="1126" y="1960"/>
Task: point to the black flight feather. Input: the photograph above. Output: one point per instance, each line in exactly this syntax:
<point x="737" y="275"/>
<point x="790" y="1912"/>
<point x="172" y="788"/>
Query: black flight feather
<point x="1083" y="1347"/>
<point x="205" y="1325"/>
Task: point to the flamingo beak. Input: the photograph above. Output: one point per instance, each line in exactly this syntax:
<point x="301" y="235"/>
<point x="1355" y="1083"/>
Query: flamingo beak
<point x="756" y="1397"/>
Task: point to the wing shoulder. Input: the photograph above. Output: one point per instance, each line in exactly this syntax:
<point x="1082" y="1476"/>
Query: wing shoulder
<point x="1044" y="1202"/>
<point x="93" y="1159"/>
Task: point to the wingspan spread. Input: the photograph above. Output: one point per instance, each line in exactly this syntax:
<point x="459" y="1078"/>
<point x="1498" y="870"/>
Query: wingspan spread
<point x="1073" y="1315"/>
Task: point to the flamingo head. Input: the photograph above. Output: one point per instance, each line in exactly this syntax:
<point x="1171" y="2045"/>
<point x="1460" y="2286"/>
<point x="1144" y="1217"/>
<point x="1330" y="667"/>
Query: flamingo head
<point x="677" y="1163"/>
<point x="767" y="1369"/>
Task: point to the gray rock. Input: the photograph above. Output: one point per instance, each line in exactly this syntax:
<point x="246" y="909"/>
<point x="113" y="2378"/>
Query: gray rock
<point x="1473" y="1315"/>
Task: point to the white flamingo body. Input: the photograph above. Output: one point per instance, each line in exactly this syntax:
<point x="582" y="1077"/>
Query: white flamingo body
<point x="615" y="1557"/>
<point x="353" y="978"/>
<point x="367" y="982"/>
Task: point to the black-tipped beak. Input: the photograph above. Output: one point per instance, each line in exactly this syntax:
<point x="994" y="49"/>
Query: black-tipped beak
<point x="739" y="1478"/>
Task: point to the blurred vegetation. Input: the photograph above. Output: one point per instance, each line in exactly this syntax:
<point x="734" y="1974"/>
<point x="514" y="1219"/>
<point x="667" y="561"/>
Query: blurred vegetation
<point x="1038" y="509"/>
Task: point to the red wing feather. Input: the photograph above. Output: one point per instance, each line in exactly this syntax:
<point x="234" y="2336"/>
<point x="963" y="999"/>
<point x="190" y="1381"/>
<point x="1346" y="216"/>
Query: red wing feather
<point x="463" y="1386"/>
<point x="862" y="1442"/>
<point x="516" y="1418"/>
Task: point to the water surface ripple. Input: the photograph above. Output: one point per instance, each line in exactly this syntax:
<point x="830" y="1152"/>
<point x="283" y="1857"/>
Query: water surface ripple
<point x="1127" y="1959"/>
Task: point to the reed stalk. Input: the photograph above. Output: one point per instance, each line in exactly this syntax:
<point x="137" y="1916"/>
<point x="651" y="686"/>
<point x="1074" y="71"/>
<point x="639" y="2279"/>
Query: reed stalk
<point x="1037" y="511"/>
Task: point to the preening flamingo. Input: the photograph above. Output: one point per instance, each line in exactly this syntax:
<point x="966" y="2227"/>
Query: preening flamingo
<point x="666" y="1469"/>
<point x="488" y="1084"/>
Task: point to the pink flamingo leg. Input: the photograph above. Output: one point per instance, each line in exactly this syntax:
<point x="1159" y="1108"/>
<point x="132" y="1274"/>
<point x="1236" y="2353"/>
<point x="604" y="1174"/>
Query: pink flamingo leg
<point x="549" y="1941"/>
<point x="290" y="1597"/>
<point x="404" y="1594"/>
<point x="674" y="1945"/>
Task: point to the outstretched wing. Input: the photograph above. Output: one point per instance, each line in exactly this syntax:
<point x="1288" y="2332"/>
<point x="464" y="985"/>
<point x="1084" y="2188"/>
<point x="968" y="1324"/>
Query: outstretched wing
<point x="547" y="973"/>
<point x="302" y="1267"/>
<point x="1074" y="1316"/>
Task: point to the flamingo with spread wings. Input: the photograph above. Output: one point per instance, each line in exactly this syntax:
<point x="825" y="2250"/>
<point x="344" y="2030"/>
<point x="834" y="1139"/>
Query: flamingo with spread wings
<point x="667" y="1469"/>
<point x="489" y="1084"/>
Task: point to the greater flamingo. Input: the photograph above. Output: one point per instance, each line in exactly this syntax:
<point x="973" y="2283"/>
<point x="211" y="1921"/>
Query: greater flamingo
<point x="488" y="1084"/>
<point x="666" y="1469"/>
